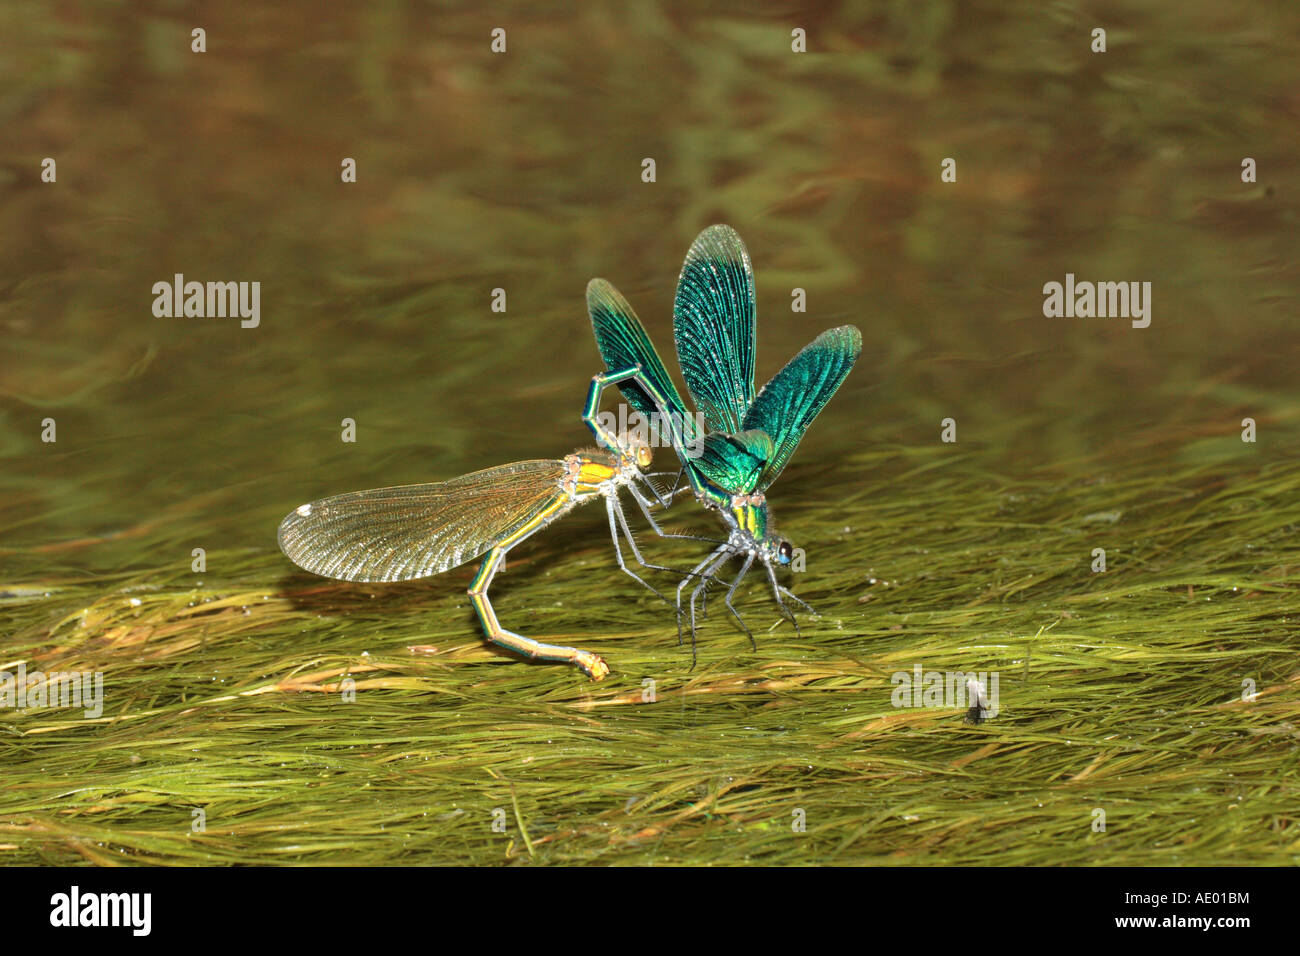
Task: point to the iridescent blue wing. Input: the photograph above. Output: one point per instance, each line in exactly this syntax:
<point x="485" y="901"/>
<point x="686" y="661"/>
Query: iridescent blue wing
<point x="623" y="342"/>
<point x="734" y="463"/>
<point x="791" y="400"/>
<point x="713" y="325"/>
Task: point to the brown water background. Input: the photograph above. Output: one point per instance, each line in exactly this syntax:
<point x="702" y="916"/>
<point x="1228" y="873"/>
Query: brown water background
<point x="522" y="171"/>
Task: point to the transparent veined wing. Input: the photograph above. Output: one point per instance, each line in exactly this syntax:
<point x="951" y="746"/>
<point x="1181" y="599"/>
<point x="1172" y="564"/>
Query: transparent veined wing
<point x="734" y="463"/>
<point x="713" y="326"/>
<point x="623" y="342"/>
<point x="413" y="531"/>
<point x="791" y="400"/>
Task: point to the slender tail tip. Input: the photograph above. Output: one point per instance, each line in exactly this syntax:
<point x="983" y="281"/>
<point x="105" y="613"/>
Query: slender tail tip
<point x="592" y="665"/>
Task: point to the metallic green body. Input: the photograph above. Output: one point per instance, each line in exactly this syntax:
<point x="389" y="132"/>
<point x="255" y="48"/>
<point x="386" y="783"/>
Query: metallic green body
<point x="750" y="437"/>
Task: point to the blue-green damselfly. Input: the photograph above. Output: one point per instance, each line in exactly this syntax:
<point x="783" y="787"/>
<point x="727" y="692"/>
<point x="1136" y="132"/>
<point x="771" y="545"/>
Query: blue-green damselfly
<point x="748" y="438"/>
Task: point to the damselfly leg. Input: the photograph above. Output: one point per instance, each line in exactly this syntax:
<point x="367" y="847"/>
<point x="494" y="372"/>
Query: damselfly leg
<point x="618" y="523"/>
<point x="749" y="563"/>
<point x="705" y="571"/>
<point x="776" y="592"/>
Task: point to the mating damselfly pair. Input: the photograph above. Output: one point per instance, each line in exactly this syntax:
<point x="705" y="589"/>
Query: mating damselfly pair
<point x="728" y="461"/>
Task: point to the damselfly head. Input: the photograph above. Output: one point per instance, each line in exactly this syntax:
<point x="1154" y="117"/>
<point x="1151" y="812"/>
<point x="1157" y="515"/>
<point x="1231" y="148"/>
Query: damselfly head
<point x="777" y="551"/>
<point x="636" y="450"/>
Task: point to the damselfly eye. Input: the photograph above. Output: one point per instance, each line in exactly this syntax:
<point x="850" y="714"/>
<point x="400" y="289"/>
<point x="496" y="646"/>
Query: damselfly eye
<point x="785" y="552"/>
<point x="643" y="456"/>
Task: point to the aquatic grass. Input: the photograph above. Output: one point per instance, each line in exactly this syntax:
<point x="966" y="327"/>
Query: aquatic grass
<point x="1121" y="691"/>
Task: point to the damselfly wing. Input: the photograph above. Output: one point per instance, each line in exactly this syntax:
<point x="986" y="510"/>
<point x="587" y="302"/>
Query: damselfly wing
<point x="414" y="531"/>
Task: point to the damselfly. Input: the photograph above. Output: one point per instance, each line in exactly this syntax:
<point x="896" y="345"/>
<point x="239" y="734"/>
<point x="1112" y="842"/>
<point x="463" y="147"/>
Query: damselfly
<point x="748" y="438"/>
<point x="414" y="531"/>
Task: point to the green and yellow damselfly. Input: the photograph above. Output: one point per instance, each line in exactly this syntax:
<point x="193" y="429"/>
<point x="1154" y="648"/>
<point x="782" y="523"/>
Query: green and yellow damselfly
<point x="415" y="531"/>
